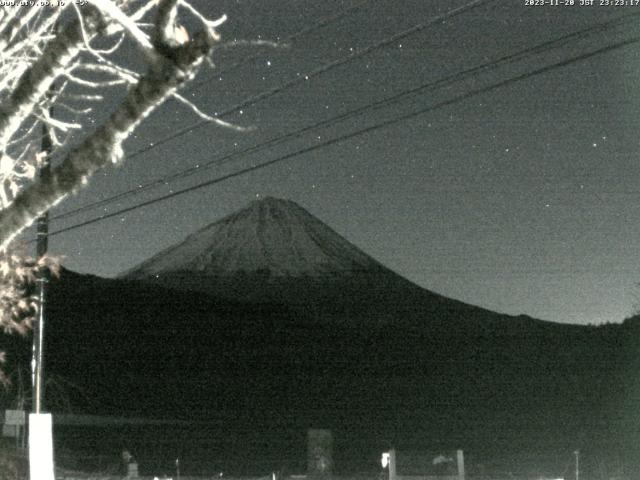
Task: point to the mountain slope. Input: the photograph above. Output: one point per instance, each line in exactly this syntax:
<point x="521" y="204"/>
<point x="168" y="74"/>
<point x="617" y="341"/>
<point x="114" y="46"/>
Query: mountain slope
<point x="491" y="384"/>
<point x="269" y="321"/>
<point x="270" y="235"/>
<point x="275" y="251"/>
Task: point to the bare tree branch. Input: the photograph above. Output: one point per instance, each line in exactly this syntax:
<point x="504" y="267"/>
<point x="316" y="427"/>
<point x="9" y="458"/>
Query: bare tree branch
<point x="35" y="82"/>
<point x="84" y="57"/>
<point x="128" y="24"/>
<point x="104" y="146"/>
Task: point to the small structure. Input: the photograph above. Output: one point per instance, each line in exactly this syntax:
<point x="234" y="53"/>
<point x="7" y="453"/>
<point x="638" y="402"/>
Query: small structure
<point x="132" y="470"/>
<point x="424" y="465"/>
<point x="14" y="426"/>
<point x="319" y="452"/>
<point x="129" y="464"/>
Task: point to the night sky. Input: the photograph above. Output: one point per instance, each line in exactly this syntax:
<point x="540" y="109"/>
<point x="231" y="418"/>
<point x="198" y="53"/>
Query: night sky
<point x="520" y="199"/>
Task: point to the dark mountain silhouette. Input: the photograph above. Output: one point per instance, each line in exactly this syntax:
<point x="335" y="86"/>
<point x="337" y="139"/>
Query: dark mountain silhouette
<point x="267" y="322"/>
<point x="275" y="251"/>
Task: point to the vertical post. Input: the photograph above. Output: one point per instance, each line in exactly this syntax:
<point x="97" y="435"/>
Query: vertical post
<point x="42" y="232"/>
<point x="40" y="447"/>
<point x="460" y="455"/>
<point x="40" y="424"/>
<point x="577" y="454"/>
<point x="392" y="465"/>
<point x="319" y="452"/>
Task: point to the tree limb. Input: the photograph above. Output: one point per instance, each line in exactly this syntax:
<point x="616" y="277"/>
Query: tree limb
<point x="35" y="81"/>
<point x="104" y="146"/>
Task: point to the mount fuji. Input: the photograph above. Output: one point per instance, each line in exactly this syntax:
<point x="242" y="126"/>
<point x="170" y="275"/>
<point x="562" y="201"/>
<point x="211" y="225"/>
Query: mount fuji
<point x="269" y="320"/>
<point x="271" y="236"/>
<point x="274" y="251"/>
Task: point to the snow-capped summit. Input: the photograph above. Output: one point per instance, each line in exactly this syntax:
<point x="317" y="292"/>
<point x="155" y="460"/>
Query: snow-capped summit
<point x="270" y="236"/>
<point x="274" y="252"/>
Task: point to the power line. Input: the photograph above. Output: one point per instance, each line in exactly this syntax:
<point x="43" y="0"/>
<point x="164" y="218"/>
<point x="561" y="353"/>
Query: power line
<point x="360" y="132"/>
<point x="305" y="31"/>
<point x="318" y="71"/>
<point x="510" y="58"/>
<point x="322" y="69"/>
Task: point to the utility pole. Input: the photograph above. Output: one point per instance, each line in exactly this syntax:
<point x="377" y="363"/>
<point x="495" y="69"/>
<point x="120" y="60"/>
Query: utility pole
<point x="41" y="465"/>
<point x="577" y="454"/>
<point x="42" y="245"/>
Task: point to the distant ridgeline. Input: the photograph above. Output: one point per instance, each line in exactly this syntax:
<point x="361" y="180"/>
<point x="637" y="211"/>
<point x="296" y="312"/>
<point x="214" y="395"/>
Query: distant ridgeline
<point x="310" y="331"/>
